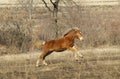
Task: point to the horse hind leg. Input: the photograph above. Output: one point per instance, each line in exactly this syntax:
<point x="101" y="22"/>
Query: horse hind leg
<point x="44" y="62"/>
<point x="40" y="59"/>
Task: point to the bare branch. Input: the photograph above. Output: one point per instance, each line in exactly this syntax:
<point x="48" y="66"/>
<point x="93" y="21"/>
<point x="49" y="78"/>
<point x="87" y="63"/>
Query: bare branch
<point x="47" y="6"/>
<point x="55" y="5"/>
<point x="51" y="1"/>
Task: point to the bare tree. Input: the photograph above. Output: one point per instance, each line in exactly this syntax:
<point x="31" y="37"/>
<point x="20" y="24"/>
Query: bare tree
<point x="27" y="5"/>
<point x="55" y="13"/>
<point x="55" y="7"/>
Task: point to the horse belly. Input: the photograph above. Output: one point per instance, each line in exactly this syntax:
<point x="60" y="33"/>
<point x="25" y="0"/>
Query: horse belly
<point x="60" y="50"/>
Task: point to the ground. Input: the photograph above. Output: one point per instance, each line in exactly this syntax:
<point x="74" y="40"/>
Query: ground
<point x="98" y="63"/>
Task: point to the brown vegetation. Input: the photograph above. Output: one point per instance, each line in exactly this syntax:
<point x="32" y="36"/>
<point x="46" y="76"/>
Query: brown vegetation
<point x="99" y="25"/>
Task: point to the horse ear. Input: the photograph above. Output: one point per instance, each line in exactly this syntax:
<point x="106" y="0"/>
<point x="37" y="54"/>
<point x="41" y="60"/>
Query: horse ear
<point x="75" y="28"/>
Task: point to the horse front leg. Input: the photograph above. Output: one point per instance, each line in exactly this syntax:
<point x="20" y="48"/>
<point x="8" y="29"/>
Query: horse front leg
<point x="41" y="59"/>
<point x="76" y="52"/>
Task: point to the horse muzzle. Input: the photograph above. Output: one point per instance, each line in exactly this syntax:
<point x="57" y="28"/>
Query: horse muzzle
<point x="81" y="38"/>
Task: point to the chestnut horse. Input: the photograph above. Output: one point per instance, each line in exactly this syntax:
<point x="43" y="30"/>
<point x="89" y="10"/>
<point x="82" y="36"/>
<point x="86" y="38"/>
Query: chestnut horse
<point x="64" y="43"/>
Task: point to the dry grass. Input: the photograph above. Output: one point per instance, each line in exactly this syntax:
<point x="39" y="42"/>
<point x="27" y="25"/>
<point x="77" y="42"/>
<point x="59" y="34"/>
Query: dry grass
<point x="98" y="63"/>
<point x="99" y="25"/>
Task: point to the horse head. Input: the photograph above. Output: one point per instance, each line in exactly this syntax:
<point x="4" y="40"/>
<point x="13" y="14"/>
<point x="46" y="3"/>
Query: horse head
<point x="76" y="33"/>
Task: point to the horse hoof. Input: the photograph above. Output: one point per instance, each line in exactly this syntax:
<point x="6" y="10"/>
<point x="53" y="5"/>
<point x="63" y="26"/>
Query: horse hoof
<point x="37" y="65"/>
<point x="45" y="64"/>
<point x="77" y="59"/>
<point x="82" y="57"/>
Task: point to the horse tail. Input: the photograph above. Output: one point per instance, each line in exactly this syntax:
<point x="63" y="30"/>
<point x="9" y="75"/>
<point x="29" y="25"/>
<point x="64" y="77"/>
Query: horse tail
<point x="38" y="45"/>
<point x="43" y="43"/>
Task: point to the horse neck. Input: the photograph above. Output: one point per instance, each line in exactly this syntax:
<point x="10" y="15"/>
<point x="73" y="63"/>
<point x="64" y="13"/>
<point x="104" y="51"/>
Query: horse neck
<point x="70" y="37"/>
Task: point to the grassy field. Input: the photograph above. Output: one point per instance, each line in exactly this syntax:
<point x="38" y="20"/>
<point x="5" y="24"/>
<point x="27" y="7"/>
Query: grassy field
<point x="99" y="24"/>
<point x="98" y="63"/>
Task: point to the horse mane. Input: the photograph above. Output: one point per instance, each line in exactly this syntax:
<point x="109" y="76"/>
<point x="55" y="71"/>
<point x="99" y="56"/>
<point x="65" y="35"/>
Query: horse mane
<point x="70" y="30"/>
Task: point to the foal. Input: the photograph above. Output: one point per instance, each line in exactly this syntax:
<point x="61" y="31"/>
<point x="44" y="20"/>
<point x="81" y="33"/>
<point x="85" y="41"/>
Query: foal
<point x="64" y="43"/>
